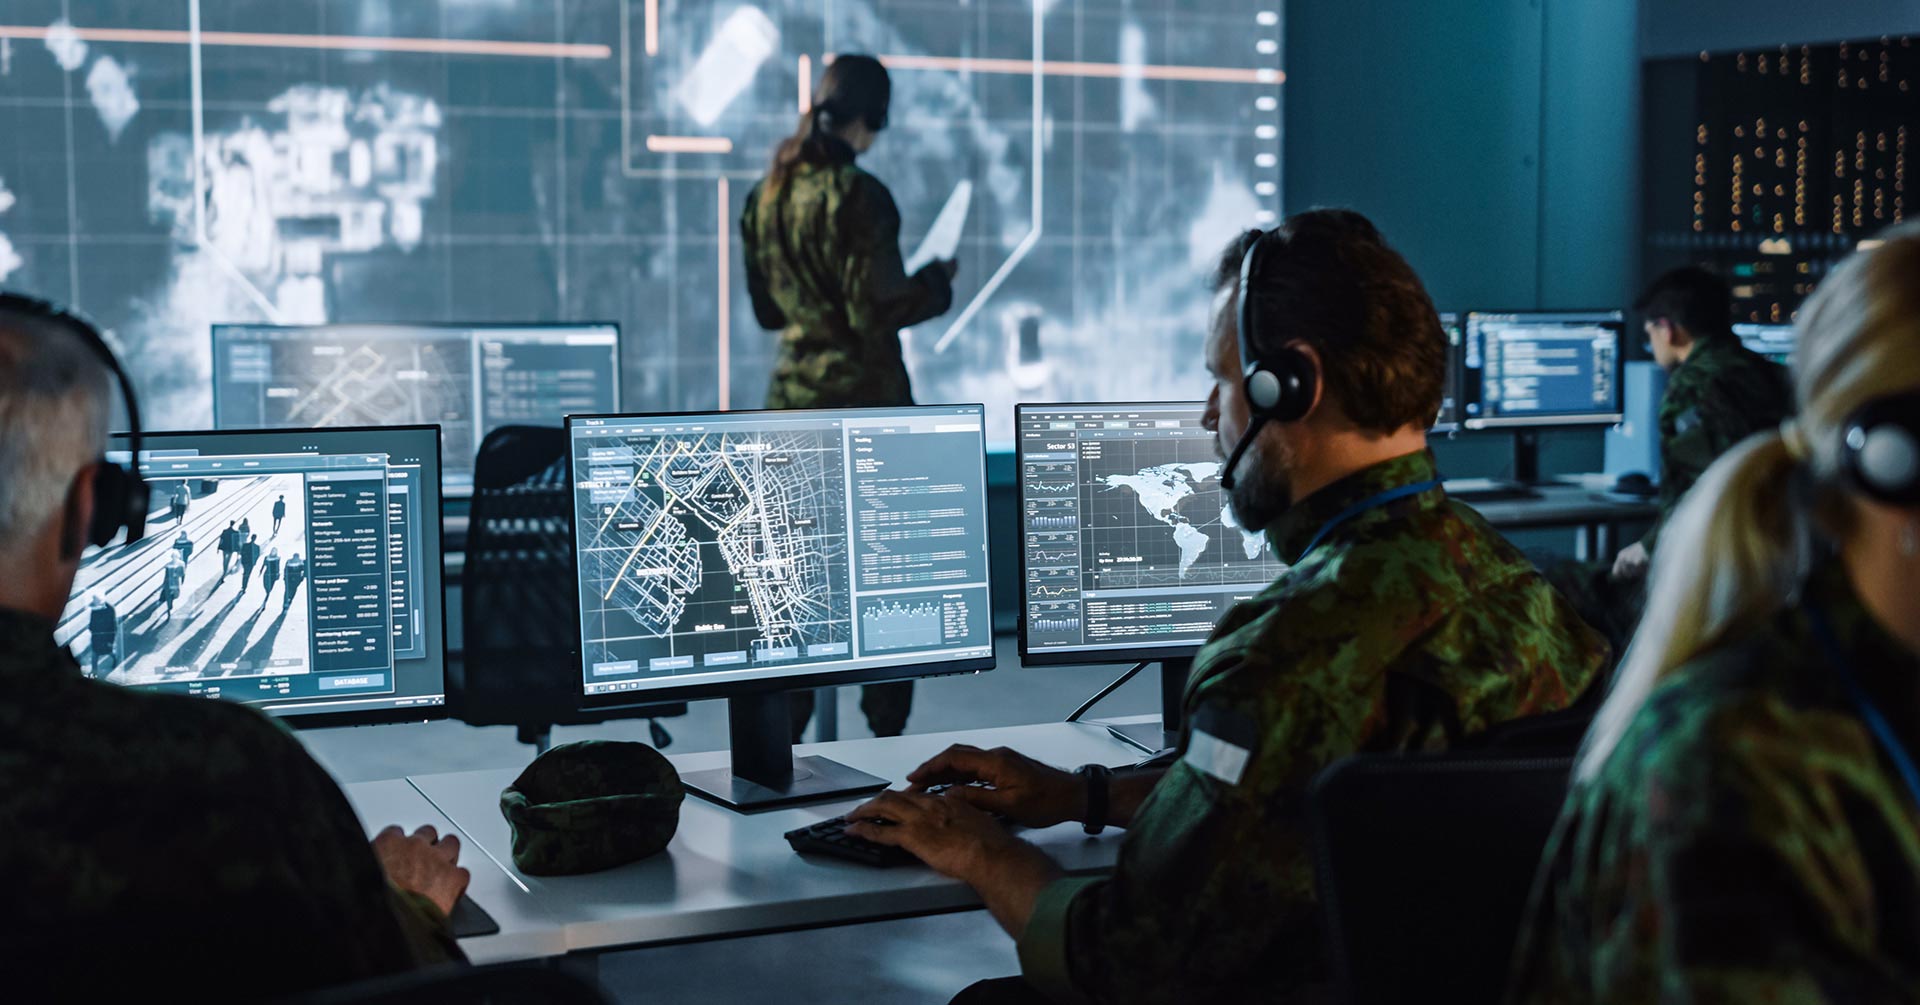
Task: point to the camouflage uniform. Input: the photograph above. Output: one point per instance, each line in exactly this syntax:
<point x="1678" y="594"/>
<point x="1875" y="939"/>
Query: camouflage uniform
<point x="1722" y="394"/>
<point x="1410" y="627"/>
<point x="1748" y="840"/>
<point x="157" y="843"/>
<point x="823" y="266"/>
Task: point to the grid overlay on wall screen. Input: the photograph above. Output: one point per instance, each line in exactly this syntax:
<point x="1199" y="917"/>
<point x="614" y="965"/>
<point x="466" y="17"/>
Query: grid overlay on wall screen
<point x="298" y="161"/>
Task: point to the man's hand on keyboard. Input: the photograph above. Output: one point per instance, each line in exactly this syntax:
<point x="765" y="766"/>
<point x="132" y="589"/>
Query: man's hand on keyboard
<point x="950" y="836"/>
<point x="1011" y="784"/>
<point x="958" y="840"/>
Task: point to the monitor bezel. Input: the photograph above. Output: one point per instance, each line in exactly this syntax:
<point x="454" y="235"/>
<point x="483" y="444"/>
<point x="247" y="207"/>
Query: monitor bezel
<point x="1077" y="657"/>
<point x="619" y="370"/>
<point x="618" y="700"/>
<point x="360" y="717"/>
<point x="1568" y="420"/>
<point x="1458" y="356"/>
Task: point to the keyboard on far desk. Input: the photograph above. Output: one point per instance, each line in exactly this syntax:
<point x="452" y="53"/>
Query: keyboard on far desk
<point x="1487" y="490"/>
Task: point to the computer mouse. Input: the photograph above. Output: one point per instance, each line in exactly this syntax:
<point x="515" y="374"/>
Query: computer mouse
<point x="1634" y="483"/>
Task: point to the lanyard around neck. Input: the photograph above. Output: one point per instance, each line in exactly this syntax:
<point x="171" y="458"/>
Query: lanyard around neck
<point x="1369" y="503"/>
<point x="1869" y="712"/>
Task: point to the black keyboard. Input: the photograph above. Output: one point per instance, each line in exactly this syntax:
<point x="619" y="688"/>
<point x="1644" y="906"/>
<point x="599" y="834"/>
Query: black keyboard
<point x="1488" y="490"/>
<point x="470" y="919"/>
<point x="830" y="837"/>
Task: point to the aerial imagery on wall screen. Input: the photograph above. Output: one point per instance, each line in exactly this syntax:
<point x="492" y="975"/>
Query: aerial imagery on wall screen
<point x="297" y="162"/>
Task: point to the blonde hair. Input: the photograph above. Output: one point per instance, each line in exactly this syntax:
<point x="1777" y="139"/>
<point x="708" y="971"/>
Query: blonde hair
<point x="1739" y="544"/>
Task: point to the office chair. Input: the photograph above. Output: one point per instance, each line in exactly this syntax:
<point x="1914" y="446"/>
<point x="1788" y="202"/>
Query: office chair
<point x="501" y="984"/>
<point x="519" y="601"/>
<point x="1424" y="863"/>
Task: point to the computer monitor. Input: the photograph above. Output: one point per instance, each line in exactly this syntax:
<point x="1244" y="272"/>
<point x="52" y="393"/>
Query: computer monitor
<point x="329" y="611"/>
<point x="1128" y="549"/>
<point x="470" y="379"/>
<point x="745" y="554"/>
<point x="1775" y="342"/>
<point x="1542" y="369"/>
<point x="1449" y="418"/>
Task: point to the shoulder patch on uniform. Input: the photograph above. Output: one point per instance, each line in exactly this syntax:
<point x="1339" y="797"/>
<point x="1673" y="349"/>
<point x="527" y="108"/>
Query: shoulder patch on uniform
<point x="1221" y="743"/>
<point x="1687" y="421"/>
<point x="1210" y="755"/>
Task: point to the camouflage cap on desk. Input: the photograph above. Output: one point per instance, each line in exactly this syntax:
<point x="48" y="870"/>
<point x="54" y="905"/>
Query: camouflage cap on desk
<point x="592" y="805"/>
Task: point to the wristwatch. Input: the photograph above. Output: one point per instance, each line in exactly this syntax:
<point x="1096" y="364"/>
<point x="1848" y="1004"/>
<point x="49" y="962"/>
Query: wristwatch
<point x="1096" y="776"/>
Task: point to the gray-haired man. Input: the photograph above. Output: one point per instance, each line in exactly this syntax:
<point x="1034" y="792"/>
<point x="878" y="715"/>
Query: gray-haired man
<point x="156" y="844"/>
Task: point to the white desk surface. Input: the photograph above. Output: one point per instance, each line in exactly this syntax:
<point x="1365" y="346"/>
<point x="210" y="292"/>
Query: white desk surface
<point x="527" y="931"/>
<point x="729" y="874"/>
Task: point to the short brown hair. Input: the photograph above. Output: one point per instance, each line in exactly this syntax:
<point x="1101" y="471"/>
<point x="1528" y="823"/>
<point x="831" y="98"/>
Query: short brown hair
<point x="1330" y="280"/>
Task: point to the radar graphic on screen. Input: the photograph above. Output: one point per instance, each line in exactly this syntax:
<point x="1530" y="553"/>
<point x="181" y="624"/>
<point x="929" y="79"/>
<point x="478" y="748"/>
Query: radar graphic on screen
<point x="519" y="161"/>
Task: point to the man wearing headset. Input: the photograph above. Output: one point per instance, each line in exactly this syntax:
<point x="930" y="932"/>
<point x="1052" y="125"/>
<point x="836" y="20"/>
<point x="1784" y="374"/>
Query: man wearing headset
<point x="159" y="843"/>
<point x="1404" y="623"/>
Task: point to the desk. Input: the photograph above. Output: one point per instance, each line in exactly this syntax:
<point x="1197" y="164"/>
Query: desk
<point x="1595" y="513"/>
<point x="730" y="874"/>
<point x="527" y="931"/>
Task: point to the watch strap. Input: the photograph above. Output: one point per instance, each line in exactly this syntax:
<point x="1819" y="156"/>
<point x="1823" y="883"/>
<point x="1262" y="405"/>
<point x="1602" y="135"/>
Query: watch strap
<point x="1097" y="777"/>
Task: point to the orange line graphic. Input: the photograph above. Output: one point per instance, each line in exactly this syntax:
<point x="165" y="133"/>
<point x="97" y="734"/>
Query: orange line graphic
<point x="1062" y="68"/>
<point x="375" y="43"/>
<point x="726" y="301"/>
<point x="690" y="144"/>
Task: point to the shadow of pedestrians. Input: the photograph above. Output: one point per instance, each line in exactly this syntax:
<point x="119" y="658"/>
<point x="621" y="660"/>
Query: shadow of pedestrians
<point x="195" y="643"/>
<point x="262" y="651"/>
<point x="236" y="645"/>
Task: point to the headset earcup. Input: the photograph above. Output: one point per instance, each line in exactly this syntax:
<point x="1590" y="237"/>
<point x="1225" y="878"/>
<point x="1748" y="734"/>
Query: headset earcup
<point x="1884" y="460"/>
<point x="1298" y="386"/>
<point x="139" y="500"/>
<point x="1265" y="389"/>
<point x="109" y="503"/>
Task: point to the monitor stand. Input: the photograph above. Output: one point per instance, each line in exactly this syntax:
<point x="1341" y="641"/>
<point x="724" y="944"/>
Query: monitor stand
<point x="1526" y="475"/>
<point x="1153" y="737"/>
<point x="764" y="773"/>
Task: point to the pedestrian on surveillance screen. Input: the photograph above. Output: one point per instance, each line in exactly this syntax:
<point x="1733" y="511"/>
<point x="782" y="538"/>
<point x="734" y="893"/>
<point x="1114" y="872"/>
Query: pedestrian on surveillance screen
<point x="249" y="557"/>
<point x="269" y="575"/>
<point x="296" y="572"/>
<point x="172" y="582"/>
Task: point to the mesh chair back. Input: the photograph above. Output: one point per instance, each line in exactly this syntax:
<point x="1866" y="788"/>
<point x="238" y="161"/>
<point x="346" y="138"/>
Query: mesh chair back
<point x="519" y="601"/>
<point x="1424" y="865"/>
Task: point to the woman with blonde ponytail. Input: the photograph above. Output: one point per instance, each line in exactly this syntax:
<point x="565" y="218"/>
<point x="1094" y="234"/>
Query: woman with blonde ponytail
<point x="1745" y="819"/>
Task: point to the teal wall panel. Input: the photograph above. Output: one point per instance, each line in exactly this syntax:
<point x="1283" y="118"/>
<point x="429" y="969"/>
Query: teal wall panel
<point x="1427" y="117"/>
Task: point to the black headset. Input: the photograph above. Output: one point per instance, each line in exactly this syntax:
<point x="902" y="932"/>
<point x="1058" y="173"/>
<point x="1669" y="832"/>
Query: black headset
<point x="1279" y="388"/>
<point x="120" y="494"/>
<point x="1880" y="451"/>
<point x="835" y="109"/>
